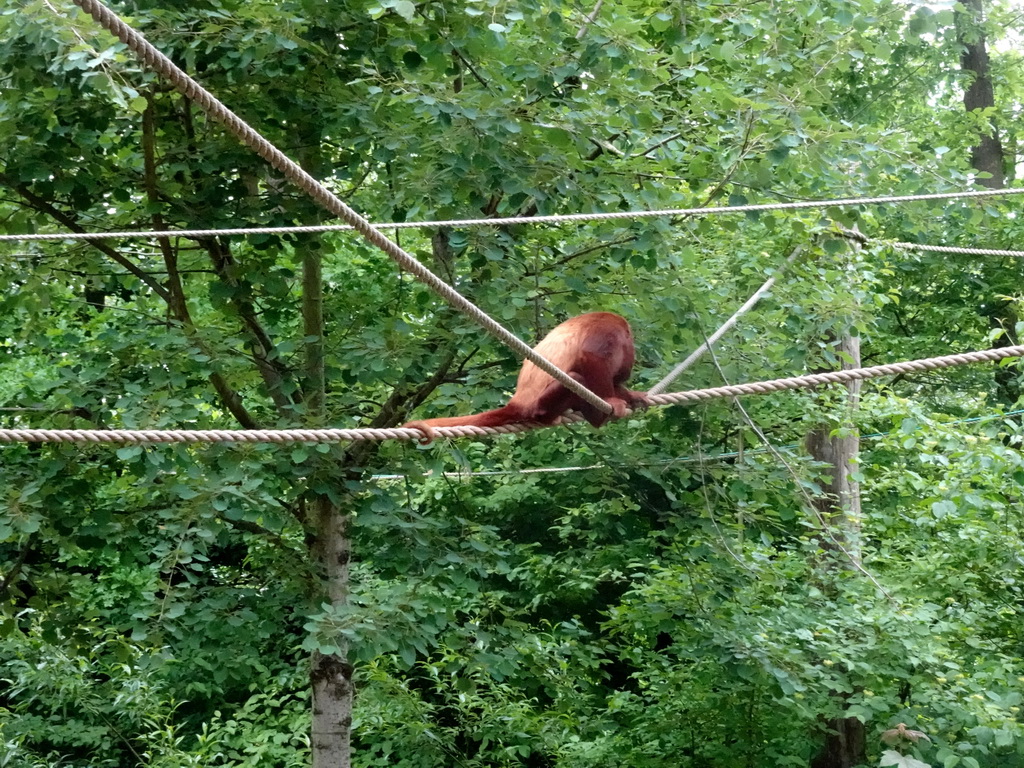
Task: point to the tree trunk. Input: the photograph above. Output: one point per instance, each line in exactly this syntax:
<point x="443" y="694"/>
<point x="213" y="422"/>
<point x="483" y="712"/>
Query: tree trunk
<point x="839" y="503"/>
<point x="839" y="509"/>
<point x="844" y="744"/>
<point x="987" y="154"/>
<point x="331" y="675"/>
<point x="987" y="157"/>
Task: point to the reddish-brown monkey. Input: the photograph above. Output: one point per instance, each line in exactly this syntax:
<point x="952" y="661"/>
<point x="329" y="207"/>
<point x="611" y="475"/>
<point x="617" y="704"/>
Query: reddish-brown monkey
<point x="596" y="349"/>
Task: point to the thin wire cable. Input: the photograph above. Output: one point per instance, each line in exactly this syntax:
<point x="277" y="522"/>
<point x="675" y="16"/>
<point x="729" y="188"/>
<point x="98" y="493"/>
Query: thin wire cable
<point x="401" y="433"/>
<point x="511" y="220"/>
<point x="714" y="337"/>
<point x="457" y="475"/>
<point x="157" y="61"/>
<point x="847" y="548"/>
<point x="790" y="448"/>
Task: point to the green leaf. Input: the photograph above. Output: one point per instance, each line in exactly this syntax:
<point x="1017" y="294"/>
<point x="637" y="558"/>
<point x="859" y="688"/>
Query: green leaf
<point x="892" y="757"/>
<point x="408" y="656"/>
<point x="405" y="8"/>
<point x="661" y="21"/>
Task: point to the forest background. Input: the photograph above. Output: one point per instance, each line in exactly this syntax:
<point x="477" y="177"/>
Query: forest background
<point x="673" y="597"/>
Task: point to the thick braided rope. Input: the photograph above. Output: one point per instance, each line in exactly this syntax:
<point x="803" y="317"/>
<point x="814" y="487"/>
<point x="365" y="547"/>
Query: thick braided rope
<point x="401" y="433"/>
<point x="146" y="436"/>
<point x="714" y="337"/>
<point x="252" y="139"/>
<point x="839" y="377"/>
<point x="551" y="219"/>
<point x="957" y="249"/>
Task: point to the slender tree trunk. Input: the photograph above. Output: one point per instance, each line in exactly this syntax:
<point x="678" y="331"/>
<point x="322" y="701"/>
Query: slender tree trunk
<point x="839" y="508"/>
<point x="331" y="674"/>
<point x="839" y="503"/>
<point x="315" y="389"/>
<point x="987" y="157"/>
<point x="987" y="154"/>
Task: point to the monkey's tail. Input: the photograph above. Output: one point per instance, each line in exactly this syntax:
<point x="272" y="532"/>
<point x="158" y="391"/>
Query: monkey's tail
<point x="508" y="414"/>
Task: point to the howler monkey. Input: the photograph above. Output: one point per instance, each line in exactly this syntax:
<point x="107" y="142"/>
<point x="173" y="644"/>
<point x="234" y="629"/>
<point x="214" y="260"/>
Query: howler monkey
<point x="596" y="349"/>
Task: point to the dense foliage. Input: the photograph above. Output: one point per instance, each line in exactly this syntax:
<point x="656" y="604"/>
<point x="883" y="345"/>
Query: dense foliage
<point x="671" y="598"/>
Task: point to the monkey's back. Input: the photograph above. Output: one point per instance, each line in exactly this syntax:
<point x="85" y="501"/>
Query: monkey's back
<point x="581" y="345"/>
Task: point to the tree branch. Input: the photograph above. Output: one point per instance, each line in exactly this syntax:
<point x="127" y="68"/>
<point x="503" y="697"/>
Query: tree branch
<point x="175" y="296"/>
<point x="37" y="203"/>
<point x="270" y="367"/>
<point x="15" y="571"/>
<point x="589" y="20"/>
<point x="660" y="144"/>
<point x="582" y="252"/>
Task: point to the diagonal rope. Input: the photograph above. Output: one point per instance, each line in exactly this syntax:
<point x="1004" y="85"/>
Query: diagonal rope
<point x="400" y="433"/>
<point x="510" y="220"/>
<point x="747" y="306"/>
<point x="157" y="61"/>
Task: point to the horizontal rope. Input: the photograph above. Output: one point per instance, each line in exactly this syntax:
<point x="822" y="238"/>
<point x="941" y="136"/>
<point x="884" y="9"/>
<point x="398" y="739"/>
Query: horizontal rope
<point x="401" y="433"/>
<point x="839" y="377"/>
<point x="510" y="220"/>
<point x="957" y="249"/>
<point x="245" y="133"/>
